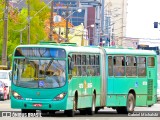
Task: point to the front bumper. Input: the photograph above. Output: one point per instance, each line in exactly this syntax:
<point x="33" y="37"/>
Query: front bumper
<point x="46" y="104"/>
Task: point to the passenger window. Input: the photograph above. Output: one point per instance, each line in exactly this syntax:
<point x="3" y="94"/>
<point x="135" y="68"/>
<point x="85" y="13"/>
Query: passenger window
<point x="151" y="62"/>
<point x="97" y="60"/>
<point x="87" y="60"/>
<point x="78" y="59"/>
<point x="83" y="59"/>
<point x="119" y="66"/>
<point x="110" y="66"/>
<point x="92" y="60"/>
<point x="141" y="61"/>
<point x="131" y="69"/>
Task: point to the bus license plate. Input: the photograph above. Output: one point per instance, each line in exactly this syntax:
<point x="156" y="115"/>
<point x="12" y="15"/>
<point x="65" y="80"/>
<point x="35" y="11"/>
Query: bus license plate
<point x="37" y="105"/>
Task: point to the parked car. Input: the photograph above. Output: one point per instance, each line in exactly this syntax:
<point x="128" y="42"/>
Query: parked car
<point x="5" y="77"/>
<point x="158" y="90"/>
<point x="3" y="91"/>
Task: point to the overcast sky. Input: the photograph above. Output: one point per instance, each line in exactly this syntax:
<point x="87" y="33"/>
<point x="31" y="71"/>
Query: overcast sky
<point x="140" y="18"/>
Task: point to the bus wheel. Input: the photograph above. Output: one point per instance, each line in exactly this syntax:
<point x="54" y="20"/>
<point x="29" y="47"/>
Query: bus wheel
<point x="82" y="112"/>
<point x="130" y="103"/>
<point x="47" y="113"/>
<point x="121" y="110"/>
<point x="91" y="111"/>
<point x="96" y="110"/>
<point x="71" y="113"/>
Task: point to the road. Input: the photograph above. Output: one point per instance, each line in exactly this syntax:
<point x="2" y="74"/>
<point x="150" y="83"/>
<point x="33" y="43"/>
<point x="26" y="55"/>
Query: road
<point x="106" y="113"/>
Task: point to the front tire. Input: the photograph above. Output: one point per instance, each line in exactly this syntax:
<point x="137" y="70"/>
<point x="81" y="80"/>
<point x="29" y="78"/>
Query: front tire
<point x="71" y="113"/>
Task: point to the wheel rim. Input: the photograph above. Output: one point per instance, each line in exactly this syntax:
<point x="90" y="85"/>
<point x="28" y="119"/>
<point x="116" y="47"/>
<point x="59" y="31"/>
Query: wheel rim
<point x="130" y="106"/>
<point x="74" y="105"/>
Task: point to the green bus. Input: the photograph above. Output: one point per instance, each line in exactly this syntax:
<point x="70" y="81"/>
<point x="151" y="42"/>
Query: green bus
<point x="50" y="77"/>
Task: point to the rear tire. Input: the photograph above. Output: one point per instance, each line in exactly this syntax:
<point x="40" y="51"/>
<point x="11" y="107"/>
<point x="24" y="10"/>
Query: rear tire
<point x="130" y="103"/>
<point x="83" y="112"/>
<point x="121" y="110"/>
<point x="91" y="111"/>
<point x="129" y="107"/>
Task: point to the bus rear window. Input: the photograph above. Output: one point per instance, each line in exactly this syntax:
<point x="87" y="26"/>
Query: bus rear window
<point x="40" y="52"/>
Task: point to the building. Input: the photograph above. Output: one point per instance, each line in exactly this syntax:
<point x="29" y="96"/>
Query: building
<point x="67" y="8"/>
<point x="115" y="21"/>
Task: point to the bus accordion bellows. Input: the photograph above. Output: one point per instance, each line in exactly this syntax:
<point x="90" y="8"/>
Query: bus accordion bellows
<point x="50" y="78"/>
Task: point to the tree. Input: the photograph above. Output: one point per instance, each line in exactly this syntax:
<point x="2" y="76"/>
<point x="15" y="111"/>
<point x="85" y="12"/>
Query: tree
<point x="17" y="22"/>
<point x="1" y="26"/>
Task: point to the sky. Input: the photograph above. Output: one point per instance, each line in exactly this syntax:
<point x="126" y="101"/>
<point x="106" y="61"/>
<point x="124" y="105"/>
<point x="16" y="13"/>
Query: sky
<point x="141" y="14"/>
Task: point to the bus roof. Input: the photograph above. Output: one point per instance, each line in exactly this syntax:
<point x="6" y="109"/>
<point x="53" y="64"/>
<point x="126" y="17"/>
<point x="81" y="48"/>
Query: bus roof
<point x="96" y="49"/>
<point x="67" y="48"/>
<point x="129" y="51"/>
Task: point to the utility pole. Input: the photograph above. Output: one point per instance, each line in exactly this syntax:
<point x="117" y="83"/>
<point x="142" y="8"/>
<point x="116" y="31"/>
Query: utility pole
<point x="5" y="35"/>
<point x="67" y="14"/>
<point x="29" y="21"/>
<point x="51" y="22"/>
<point x="102" y="16"/>
<point x="21" y="37"/>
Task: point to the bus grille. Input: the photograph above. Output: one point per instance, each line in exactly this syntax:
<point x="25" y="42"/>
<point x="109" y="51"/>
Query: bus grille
<point x="150" y="89"/>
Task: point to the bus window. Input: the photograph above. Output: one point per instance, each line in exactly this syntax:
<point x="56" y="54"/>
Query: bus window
<point x="83" y="59"/>
<point x="91" y="59"/>
<point x="97" y="70"/>
<point x="97" y="66"/>
<point x="151" y="62"/>
<point x="78" y="59"/>
<point x="131" y="70"/>
<point x="79" y="71"/>
<point x="74" y="71"/>
<point x="119" y="68"/>
<point x="84" y="72"/>
<point x="96" y="59"/>
<point x="87" y="60"/>
<point x="110" y="66"/>
<point x="141" y="61"/>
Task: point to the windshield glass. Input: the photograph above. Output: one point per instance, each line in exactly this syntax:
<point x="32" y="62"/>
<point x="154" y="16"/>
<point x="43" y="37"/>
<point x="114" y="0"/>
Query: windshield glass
<point x="3" y="75"/>
<point x="39" y="73"/>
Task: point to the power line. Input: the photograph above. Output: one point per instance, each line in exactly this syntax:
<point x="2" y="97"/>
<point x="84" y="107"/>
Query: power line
<point x="19" y="30"/>
<point x="42" y="8"/>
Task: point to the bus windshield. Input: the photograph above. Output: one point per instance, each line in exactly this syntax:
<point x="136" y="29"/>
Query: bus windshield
<point x="39" y="73"/>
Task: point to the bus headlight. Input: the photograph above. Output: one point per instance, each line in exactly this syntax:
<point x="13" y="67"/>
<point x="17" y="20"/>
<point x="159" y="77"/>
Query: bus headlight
<point x="16" y="95"/>
<point x="60" y="96"/>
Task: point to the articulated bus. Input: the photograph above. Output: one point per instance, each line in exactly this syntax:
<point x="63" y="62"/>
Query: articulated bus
<point x="50" y="77"/>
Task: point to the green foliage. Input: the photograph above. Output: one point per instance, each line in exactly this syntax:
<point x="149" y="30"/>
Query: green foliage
<point x="17" y="23"/>
<point x="1" y="24"/>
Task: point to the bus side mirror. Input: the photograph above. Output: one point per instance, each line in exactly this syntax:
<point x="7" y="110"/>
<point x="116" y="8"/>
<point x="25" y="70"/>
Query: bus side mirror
<point x="71" y="65"/>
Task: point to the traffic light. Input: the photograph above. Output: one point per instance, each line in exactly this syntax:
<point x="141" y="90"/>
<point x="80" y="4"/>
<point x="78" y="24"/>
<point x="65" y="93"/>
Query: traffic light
<point x="155" y="24"/>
